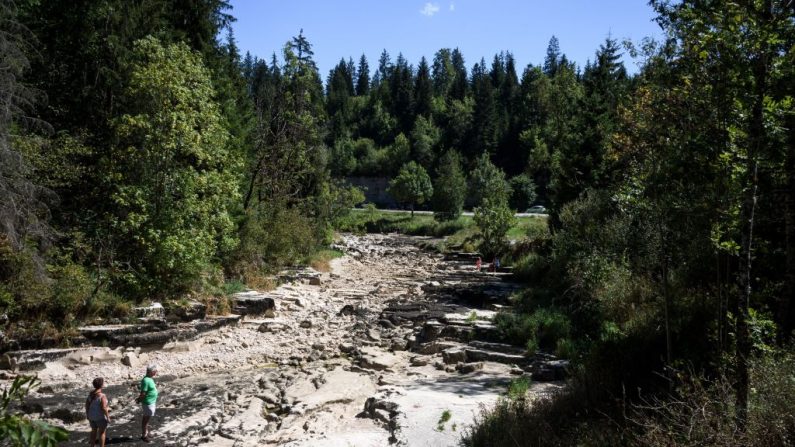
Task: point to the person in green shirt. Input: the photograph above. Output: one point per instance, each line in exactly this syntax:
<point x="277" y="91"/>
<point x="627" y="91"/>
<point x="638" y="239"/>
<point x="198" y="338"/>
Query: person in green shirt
<point x="148" y="400"/>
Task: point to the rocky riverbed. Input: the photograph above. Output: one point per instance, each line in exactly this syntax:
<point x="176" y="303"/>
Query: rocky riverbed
<point x="393" y="346"/>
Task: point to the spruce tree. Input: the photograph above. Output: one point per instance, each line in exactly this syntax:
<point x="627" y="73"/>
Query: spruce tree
<point x="384" y="66"/>
<point x="484" y="124"/>
<point x="363" y="78"/>
<point x="443" y="72"/>
<point x="460" y="85"/>
<point x="423" y="90"/>
<point x="402" y="93"/>
<point x="553" y="58"/>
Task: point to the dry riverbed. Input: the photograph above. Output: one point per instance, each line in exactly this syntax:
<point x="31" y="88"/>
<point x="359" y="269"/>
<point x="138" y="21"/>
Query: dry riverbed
<point x="393" y="346"/>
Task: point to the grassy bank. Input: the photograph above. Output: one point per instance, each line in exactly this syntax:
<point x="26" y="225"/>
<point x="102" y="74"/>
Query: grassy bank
<point x="459" y="234"/>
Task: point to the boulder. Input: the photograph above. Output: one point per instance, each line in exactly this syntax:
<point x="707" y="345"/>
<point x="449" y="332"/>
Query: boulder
<point x="436" y="347"/>
<point x="373" y="334"/>
<point x="252" y="303"/>
<point x="466" y="368"/>
<point x="398" y="344"/>
<point x="270" y="398"/>
<point x="372" y="404"/>
<point x="551" y="370"/>
<point x="418" y="360"/>
<point x="430" y="331"/>
<point x="377" y="360"/>
<point x="453" y="356"/>
<point x="180" y="346"/>
<point x="482" y="355"/>
<point x="134" y="360"/>
<point x="153" y="311"/>
<point x="185" y="311"/>
<point x="96" y="355"/>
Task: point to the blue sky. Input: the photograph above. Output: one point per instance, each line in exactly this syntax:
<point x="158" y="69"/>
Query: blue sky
<point x="480" y="28"/>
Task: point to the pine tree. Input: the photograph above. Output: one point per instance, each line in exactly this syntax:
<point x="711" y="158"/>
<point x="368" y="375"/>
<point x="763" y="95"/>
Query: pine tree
<point x="443" y="72"/>
<point x="509" y="157"/>
<point x="605" y="83"/>
<point x="350" y="75"/>
<point x="384" y="67"/>
<point x="23" y="208"/>
<point x="460" y="84"/>
<point x="497" y="72"/>
<point x="484" y="124"/>
<point x="363" y="79"/>
<point x="423" y="90"/>
<point x="402" y="93"/>
<point x="338" y="104"/>
<point x="553" y="58"/>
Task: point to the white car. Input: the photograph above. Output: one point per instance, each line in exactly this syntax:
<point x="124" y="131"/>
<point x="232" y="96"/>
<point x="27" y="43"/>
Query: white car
<point x="538" y="209"/>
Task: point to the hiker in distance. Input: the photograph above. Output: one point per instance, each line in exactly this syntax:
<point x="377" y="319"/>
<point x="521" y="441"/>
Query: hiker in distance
<point x="148" y="400"/>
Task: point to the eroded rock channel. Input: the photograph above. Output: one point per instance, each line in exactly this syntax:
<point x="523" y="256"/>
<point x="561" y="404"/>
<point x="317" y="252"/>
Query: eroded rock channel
<point x="373" y="353"/>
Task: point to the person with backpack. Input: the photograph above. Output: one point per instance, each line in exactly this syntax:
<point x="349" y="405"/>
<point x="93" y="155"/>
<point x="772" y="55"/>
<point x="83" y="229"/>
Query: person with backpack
<point x="97" y="412"/>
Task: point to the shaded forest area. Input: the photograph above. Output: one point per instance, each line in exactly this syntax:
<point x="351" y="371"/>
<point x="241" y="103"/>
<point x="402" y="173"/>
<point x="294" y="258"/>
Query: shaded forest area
<point x="138" y="165"/>
<point x="142" y="157"/>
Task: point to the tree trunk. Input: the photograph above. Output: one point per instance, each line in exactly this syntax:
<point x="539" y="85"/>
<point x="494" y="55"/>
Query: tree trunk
<point x="668" y="303"/>
<point x="756" y="140"/>
<point x="743" y="349"/>
<point x="787" y="309"/>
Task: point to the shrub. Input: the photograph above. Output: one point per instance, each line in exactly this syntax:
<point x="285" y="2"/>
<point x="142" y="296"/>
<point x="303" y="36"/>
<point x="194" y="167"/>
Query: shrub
<point x="529" y="267"/>
<point x="217" y="305"/>
<point x="233" y="286"/>
<point x="18" y="430"/>
<point x="320" y="260"/>
<point x="71" y="290"/>
<point x="701" y="410"/>
<point x="565" y="348"/>
<point x="544" y="328"/>
<point x="494" y="219"/>
<point x="271" y="240"/>
<point x="518" y="388"/>
<point x="449" y="188"/>
<point x="562" y="418"/>
<point x="523" y="192"/>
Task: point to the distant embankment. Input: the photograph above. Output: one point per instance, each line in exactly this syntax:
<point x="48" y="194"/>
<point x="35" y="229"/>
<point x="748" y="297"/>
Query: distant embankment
<point x="375" y="190"/>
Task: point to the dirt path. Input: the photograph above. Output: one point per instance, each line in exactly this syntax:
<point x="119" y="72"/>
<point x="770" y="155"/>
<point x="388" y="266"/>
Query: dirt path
<point x="379" y="351"/>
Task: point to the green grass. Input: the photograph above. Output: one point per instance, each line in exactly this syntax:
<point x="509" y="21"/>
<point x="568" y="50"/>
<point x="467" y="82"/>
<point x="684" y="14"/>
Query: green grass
<point x="518" y="388"/>
<point x="320" y="259"/>
<point x="532" y="227"/>
<point x="233" y="286"/>
<point x="377" y="221"/>
<point x="461" y="234"/>
<point x="446" y="415"/>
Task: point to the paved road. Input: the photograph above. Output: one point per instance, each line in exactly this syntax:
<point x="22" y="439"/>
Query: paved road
<point x="465" y="213"/>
